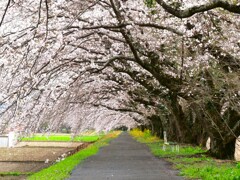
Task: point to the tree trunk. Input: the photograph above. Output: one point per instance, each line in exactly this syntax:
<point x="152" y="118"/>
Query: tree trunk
<point x="182" y="131"/>
<point x="157" y="127"/>
<point x="222" y="138"/>
<point x="199" y="124"/>
<point x="220" y="150"/>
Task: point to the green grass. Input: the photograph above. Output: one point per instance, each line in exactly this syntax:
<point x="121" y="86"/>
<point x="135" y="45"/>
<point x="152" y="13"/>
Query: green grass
<point x="157" y="150"/>
<point x="210" y="170"/>
<point x="63" y="138"/>
<point x="156" y="145"/>
<point x="63" y="169"/>
<point x="191" y="161"/>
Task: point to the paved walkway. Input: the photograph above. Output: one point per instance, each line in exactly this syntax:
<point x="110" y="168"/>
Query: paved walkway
<point x="124" y="159"/>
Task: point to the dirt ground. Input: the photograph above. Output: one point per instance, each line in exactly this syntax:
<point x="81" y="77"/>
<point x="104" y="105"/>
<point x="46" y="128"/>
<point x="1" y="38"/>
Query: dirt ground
<point x="34" y="157"/>
<point x="32" y="154"/>
<point x="13" y="177"/>
<point x="49" y="144"/>
<point x="21" y="166"/>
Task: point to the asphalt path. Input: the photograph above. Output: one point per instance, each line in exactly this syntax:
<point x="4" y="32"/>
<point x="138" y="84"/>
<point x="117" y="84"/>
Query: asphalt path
<point x="124" y="159"/>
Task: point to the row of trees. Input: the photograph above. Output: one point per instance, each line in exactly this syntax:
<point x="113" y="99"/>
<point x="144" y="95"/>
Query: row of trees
<point x="170" y="65"/>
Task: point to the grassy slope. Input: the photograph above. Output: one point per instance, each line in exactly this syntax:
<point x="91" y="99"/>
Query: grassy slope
<point x="191" y="161"/>
<point x="63" y="169"/>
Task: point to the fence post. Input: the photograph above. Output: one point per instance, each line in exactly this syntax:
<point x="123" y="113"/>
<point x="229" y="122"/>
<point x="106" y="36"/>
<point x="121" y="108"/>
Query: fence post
<point x="165" y="136"/>
<point x="11" y="139"/>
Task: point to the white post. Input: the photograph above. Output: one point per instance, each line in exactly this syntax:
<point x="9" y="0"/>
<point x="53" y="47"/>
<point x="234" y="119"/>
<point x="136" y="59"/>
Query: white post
<point x="177" y="148"/>
<point x="11" y="139"/>
<point x="208" y="143"/>
<point x="165" y="137"/>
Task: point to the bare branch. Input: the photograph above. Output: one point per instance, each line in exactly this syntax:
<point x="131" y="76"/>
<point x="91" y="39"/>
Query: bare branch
<point x="47" y="17"/>
<point x="5" y="11"/>
<point x="213" y="4"/>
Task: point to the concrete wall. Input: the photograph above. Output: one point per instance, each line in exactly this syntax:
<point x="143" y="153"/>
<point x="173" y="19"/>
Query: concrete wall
<point x="3" y="141"/>
<point x="9" y="140"/>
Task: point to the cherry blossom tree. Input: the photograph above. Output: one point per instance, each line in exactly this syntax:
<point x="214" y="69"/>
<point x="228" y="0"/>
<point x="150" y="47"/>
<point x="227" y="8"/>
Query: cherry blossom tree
<point x="171" y="65"/>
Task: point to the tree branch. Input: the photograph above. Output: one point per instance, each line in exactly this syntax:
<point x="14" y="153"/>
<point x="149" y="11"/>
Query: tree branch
<point x="127" y="110"/>
<point x="213" y="4"/>
<point x="5" y="11"/>
<point x="111" y="60"/>
<point x="47" y="17"/>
